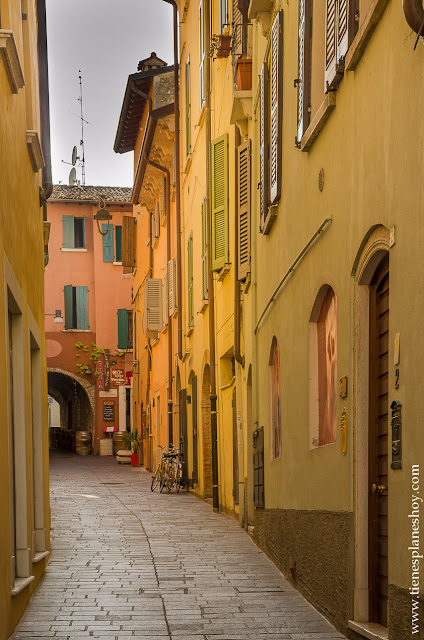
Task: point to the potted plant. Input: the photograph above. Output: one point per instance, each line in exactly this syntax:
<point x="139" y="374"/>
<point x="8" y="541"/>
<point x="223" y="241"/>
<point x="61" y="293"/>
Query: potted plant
<point x="133" y="441"/>
<point x="244" y="74"/>
<point x="221" y="45"/>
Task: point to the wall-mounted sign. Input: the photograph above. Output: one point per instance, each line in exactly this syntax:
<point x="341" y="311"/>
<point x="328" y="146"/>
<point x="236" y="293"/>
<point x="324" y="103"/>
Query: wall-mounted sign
<point x="112" y="393"/>
<point x="396" y="424"/>
<point x="107" y="370"/>
<point x="108" y="411"/>
<point x="128" y="375"/>
<point x="101" y="372"/>
<point x="117" y="376"/>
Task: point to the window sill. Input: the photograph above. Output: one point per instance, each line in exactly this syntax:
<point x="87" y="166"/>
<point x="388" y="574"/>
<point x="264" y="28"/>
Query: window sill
<point x="202" y="115"/>
<point x="35" y="151"/>
<point x="269" y="221"/>
<point x="204" y="306"/>
<point x="11" y="60"/>
<point x="21" y="584"/>
<point x="164" y="328"/>
<point x="369" y="630"/>
<point x="77" y="250"/>
<point x="118" y="264"/>
<point x="40" y="556"/>
<point x="318" y="121"/>
<point x="188" y="163"/>
<point x="76" y="330"/>
<point x="364" y="34"/>
<point x="247" y="283"/>
<point x="189" y="332"/>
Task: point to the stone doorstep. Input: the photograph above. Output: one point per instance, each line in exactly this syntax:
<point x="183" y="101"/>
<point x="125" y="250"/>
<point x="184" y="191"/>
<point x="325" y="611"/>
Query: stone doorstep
<point x="370" y="630"/>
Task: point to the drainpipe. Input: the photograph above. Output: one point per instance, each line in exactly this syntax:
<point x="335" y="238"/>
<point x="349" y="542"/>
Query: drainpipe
<point x="211" y="299"/>
<point x="414" y="14"/>
<point x="43" y="75"/>
<point x="168" y="257"/>
<point x="143" y="95"/>
<point x="177" y="178"/>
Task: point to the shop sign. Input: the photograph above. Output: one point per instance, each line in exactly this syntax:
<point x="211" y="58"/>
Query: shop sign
<point x="108" y="411"/>
<point x="117" y="376"/>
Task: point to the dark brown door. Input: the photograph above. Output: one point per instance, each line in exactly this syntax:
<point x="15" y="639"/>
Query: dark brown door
<point x="258" y="468"/>
<point x="195" y="474"/>
<point x="235" y="452"/>
<point x="183" y="433"/>
<point x="378" y="444"/>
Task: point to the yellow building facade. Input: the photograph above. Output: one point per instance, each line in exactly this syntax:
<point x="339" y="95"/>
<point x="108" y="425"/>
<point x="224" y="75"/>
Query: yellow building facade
<point x="24" y="184"/>
<point x="294" y="207"/>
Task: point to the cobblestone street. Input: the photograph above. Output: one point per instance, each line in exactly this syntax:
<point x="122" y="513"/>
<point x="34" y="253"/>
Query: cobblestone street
<point x="129" y="563"/>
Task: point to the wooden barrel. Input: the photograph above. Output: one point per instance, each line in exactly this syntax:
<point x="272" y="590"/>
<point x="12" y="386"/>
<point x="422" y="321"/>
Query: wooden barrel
<point x="83" y="443"/>
<point x="118" y="441"/>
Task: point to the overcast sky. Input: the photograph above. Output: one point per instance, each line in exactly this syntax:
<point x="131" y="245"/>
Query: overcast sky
<point x="105" y="39"/>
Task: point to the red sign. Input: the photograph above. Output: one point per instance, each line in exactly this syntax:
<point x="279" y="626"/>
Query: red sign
<point x="117" y="376"/>
<point x="128" y="375"/>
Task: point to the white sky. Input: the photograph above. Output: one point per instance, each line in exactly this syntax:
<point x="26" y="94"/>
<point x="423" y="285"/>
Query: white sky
<point x="105" y="39"/>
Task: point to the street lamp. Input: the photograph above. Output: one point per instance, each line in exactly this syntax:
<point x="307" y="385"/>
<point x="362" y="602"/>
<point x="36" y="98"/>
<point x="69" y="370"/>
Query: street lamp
<point x="57" y="316"/>
<point x="102" y="215"/>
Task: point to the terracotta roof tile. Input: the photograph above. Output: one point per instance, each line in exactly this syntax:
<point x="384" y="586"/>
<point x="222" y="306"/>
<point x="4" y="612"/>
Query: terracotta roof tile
<point x="109" y="194"/>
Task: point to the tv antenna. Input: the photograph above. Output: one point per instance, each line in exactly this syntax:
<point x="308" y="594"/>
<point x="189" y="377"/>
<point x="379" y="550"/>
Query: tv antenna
<point x="82" y="132"/>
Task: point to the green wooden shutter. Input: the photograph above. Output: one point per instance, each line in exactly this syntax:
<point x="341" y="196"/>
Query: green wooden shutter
<point x="219" y="202"/>
<point x="82" y="307"/>
<point x="68" y="232"/>
<point x="122" y="329"/>
<point x="243" y="210"/>
<point x="108" y="243"/>
<point x="190" y="304"/>
<point x="69" y="307"/>
<point x="118" y="244"/>
<point x="204" y="253"/>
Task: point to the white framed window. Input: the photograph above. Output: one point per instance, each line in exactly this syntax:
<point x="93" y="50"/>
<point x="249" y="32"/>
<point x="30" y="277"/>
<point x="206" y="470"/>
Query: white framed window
<point x="223" y="15"/>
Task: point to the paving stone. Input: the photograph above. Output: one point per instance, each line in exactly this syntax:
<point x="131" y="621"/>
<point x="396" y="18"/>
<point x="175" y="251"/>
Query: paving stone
<point x="129" y="563"/>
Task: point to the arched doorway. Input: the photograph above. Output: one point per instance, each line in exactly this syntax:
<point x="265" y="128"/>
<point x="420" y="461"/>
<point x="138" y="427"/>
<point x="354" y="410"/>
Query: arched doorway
<point x="371" y="427"/>
<point x="192" y="394"/>
<point x="76" y="401"/>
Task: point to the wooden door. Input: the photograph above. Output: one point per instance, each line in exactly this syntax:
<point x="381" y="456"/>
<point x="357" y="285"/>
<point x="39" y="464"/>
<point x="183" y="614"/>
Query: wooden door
<point x="183" y="432"/>
<point x="195" y="474"/>
<point x="258" y="468"/>
<point x="378" y="444"/>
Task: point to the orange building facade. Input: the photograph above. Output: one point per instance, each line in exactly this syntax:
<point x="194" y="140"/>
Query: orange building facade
<point x="88" y="317"/>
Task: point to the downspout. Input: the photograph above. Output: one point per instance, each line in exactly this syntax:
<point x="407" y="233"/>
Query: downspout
<point x="211" y="299"/>
<point x="168" y="258"/>
<point x="414" y="14"/>
<point x="43" y="75"/>
<point x="177" y="178"/>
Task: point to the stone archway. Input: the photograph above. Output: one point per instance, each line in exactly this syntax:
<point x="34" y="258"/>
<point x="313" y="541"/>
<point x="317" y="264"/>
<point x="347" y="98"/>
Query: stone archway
<point x="76" y="398"/>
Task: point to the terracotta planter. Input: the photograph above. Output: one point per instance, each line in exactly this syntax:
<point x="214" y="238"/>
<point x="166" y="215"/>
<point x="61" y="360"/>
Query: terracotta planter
<point x="244" y="74"/>
<point x="134" y="459"/>
<point x="224" y="48"/>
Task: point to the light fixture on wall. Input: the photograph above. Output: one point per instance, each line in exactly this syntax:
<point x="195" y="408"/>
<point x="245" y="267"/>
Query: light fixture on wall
<point x="102" y="215"/>
<point x="57" y="316"/>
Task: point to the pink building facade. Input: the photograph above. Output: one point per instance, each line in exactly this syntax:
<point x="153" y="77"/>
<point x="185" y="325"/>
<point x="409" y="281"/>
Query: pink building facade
<point x="88" y="318"/>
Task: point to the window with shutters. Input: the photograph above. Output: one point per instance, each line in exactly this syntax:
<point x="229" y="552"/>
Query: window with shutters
<point x="323" y="369"/>
<point x="76" y="307"/>
<point x="118" y="243"/>
<point x="243" y="210"/>
<point x="108" y="248"/>
<point x="264" y="145"/>
<point x="187" y="107"/>
<point x="129" y="236"/>
<point x="73" y="232"/>
<point x="223" y="15"/>
<point x="205" y="269"/>
<point x="190" y="301"/>
<point x="165" y="300"/>
<point x="219" y="203"/>
<point x="153" y="305"/>
<point x="172" y="286"/>
<point x="164" y="199"/>
<point x="326" y="30"/>
<point x="201" y="53"/>
<point x="125" y="329"/>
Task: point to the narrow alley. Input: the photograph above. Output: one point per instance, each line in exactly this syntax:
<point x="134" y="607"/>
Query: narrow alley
<point x="126" y="563"/>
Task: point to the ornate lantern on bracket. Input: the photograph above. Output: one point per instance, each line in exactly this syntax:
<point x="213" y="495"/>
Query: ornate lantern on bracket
<point x="102" y="215"/>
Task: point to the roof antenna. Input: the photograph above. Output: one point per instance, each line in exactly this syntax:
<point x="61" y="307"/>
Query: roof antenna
<point x="82" y="133"/>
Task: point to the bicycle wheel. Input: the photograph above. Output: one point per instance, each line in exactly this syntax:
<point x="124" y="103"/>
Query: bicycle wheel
<point x="163" y="477"/>
<point x="155" y="479"/>
<point x="178" y="479"/>
<point x="171" y="477"/>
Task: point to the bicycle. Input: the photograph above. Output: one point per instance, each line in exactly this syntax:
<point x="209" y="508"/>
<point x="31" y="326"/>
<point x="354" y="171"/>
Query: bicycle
<point x="160" y="471"/>
<point x="174" y="470"/>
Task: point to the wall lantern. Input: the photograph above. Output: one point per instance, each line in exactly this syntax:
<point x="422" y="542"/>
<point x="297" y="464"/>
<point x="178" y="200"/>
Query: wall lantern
<point x="102" y="215"/>
<point x="57" y="316"/>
